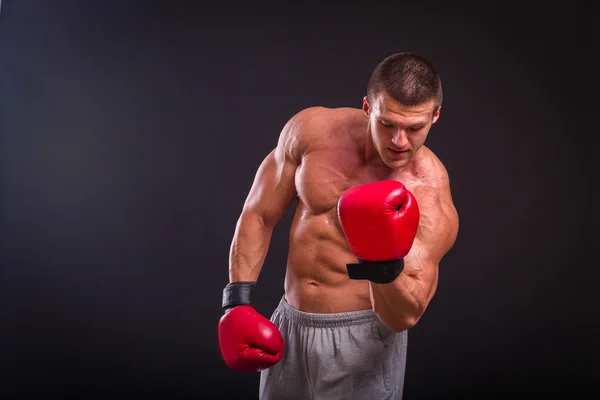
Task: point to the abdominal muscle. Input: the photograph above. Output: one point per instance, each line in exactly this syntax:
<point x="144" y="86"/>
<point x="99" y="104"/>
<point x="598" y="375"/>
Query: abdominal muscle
<point x="316" y="278"/>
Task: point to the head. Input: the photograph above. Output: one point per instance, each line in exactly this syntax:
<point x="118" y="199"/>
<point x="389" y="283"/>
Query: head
<point x="403" y="101"/>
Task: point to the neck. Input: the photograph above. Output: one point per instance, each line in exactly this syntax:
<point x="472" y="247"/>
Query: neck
<point x="372" y="157"/>
<point x="371" y="154"/>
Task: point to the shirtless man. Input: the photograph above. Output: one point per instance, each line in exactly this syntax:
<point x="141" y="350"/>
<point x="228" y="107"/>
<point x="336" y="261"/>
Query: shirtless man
<point x="374" y="217"/>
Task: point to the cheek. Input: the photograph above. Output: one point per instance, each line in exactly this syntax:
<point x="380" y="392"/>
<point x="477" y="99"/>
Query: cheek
<point x="380" y="134"/>
<point x="417" y="141"/>
<point x="421" y="137"/>
<point x="381" y="137"/>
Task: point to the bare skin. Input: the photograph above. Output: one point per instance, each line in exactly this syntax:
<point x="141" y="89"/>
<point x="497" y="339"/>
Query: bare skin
<point x="321" y="152"/>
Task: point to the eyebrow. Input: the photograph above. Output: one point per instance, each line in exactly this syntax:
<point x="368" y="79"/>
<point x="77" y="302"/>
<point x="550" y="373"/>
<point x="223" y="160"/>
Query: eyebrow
<point x="418" y="124"/>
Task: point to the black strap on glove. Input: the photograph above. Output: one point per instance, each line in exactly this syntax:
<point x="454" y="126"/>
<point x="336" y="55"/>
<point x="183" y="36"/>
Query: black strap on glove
<point x="376" y="271"/>
<point x="237" y="294"/>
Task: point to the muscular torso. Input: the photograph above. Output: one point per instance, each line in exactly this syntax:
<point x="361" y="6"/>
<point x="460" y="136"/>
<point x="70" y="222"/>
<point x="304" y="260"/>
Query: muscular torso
<point x="316" y="278"/>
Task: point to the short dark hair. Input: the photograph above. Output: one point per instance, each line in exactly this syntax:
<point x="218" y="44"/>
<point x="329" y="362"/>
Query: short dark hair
<point x="407" y="78"/>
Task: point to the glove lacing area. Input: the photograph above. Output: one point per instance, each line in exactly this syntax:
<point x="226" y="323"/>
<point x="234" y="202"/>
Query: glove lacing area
<point x="237" y="294"/>
<point x="376" y="271"/>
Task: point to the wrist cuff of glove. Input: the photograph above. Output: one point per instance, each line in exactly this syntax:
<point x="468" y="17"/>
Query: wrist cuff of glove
<point x="237" y="294"/>
<point x="376" y="271"/>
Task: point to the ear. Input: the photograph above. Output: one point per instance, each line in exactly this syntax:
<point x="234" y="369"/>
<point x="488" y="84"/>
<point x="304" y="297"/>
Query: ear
<point x="365" y="106"/>
<point x="436" y="115"/>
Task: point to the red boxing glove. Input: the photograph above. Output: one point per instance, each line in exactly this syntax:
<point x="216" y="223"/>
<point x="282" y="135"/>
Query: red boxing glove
<point x="249" y="342"/>
<point x="380" y="221"/>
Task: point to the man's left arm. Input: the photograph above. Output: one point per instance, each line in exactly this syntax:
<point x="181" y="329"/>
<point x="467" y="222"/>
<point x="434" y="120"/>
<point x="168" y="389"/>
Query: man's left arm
<point x="401" y="303"/>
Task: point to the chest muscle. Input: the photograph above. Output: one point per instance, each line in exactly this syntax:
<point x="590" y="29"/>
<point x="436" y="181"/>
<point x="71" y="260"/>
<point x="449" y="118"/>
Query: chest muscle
<point x="323" y="177"/>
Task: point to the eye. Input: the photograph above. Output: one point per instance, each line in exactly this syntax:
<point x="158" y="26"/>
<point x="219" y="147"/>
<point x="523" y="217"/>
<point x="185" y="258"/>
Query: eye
<point x="386" y="124"/>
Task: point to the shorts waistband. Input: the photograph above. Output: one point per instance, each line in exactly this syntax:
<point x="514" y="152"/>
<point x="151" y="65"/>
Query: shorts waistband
<point x="327" y="320"/>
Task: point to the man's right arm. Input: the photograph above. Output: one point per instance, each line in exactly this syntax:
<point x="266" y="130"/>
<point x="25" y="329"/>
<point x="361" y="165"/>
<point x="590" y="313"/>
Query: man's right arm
<point x="270" y="196"/>
<point x="250" y="342"/>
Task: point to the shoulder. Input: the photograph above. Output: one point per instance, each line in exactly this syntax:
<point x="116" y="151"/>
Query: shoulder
<point x="320" y="119"/>
<point x="431" y="187"/>
<point x="313" y="127"/>
<point x="429" y="170"/>
<point x="439" y="220"/>
<point x="305" y="117"/>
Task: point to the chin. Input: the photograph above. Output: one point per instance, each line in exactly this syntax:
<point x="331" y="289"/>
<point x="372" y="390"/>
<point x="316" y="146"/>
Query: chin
<point x="395" y="164"/>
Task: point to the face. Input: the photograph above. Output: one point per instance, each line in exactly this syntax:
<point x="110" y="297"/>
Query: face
<point x="398" y="131"/>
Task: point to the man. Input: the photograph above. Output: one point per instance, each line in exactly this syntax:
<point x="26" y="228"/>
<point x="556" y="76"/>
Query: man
<point x="374" y="217"/>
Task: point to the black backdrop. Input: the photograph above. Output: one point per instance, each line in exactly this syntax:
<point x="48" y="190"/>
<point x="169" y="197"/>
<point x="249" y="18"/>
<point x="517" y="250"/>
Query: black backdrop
<point x="130" y="134"/>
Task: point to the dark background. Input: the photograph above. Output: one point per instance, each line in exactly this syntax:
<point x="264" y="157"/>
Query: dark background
<point x="130" y="134"/>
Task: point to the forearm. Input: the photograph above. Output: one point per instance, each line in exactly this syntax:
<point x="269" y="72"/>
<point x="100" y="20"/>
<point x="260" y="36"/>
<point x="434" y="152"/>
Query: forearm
<point x="401" y="303"/>
<point x="249" y="247"/>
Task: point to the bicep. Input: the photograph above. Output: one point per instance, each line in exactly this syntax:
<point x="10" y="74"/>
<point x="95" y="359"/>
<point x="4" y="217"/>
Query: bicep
<point x="273" y="188"/>
<point x="274" y="185"/>
<point x="438" y="223"/>
<point x="436" y="234"/>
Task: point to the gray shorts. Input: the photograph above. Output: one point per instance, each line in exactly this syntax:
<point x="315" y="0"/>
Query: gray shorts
<point x="343" y="356"/>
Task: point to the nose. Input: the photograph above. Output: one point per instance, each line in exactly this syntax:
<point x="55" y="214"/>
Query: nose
<point x="400" y="139"/>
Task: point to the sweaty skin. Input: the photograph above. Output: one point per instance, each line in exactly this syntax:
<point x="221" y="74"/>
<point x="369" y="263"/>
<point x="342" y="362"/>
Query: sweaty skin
<point x="321" y="152"/>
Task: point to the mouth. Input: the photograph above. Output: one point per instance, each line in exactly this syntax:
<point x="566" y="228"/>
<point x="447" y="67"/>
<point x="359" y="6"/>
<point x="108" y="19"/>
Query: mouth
<point x="398" y="152"/>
